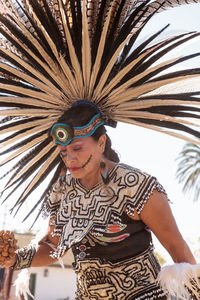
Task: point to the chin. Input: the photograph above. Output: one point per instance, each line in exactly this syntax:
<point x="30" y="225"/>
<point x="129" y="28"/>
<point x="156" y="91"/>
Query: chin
<point x="76" y="174"/>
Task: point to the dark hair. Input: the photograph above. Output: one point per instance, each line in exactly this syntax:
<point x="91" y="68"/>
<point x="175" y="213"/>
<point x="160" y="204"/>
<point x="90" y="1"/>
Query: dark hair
<point x="79" y="116"/>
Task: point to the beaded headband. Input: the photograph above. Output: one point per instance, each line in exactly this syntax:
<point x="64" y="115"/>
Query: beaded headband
<point x="63" y="134"/>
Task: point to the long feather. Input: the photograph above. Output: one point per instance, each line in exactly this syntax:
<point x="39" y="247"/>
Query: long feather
<point x="28" y="112"/>
<point x="49" y="186"/>
<point x="52" y="69"/>
<point x="108" y="68"/>
<point x="86" y="52"/>
<point x="26" y="159"/>
<point x="124" y="71"/>
<point x="34" y="160"/>
<point x="31" y="102"/>
<point x="144" y="103"/>
<point x="24" y="135"/>
<point x="31" y="70"/>
<point x="99" y="54"/>
<point x="154" y="116"/>
<point x="27" y="126"/>
<point x="161" y="130"/>
<point x="51" y="158"/>
<point x="29" y="79"/>
<point x="23" y="149"/>
<point x="73" y="56"/>
<point x="131" y="93"/>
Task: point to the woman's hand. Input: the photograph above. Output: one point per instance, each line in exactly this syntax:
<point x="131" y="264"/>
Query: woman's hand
<point x="8" y="246"/>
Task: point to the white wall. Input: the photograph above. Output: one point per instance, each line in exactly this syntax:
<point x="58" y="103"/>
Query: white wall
<point x="58" y="285"/>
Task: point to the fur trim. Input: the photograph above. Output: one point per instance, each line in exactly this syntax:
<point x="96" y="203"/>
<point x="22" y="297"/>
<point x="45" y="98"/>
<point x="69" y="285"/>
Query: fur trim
<point x="181" y="280"/>
<point x="22" y="284"/>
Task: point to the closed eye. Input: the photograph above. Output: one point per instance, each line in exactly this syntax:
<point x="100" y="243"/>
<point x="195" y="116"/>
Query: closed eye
<point x="77" y="149"/>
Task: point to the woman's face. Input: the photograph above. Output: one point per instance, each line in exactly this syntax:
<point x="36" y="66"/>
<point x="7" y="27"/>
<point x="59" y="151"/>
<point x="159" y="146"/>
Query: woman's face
<point x="83" y="155"/>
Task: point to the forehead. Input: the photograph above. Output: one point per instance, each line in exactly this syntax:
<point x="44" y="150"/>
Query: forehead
<point x="81" y="141"/>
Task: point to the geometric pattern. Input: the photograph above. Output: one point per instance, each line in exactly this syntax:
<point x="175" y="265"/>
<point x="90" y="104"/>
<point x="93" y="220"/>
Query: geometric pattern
<point x="77" y="210"/>
<point x="133" y="278"/>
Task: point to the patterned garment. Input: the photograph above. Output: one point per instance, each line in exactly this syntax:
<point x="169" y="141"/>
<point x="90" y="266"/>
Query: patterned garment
<point x="113" y="253"/>
<point x="133" y="278"/>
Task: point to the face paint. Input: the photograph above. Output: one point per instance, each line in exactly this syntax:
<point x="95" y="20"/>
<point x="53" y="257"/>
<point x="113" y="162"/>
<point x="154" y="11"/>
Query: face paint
<point x="85" y="164"/>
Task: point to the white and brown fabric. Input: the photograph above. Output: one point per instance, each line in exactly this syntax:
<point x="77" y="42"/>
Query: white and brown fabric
<point x="113" y="253"/>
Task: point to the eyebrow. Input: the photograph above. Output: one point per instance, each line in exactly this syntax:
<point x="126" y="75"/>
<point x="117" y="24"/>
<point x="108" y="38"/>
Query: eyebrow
<point x="75" y="143"/>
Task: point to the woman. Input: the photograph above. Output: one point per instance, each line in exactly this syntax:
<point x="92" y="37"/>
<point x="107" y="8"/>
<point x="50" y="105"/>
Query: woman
<point x="105" y="211"/>
<point x="53" y="54"/>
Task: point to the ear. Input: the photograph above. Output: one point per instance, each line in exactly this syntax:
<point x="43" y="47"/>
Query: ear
<point x="102" y="143"/>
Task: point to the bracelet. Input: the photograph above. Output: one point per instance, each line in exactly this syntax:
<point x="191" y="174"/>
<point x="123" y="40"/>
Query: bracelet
<point x="24" y="257"/>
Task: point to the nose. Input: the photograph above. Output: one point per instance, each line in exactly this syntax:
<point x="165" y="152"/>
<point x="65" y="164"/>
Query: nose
<point x="69" y="157"/>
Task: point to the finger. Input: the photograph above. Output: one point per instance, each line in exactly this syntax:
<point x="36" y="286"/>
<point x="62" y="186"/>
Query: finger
<point x="1" y="233"/>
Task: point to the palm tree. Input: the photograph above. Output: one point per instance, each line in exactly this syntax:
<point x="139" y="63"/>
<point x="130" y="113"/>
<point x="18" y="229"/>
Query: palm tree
<point x="188" y="171"/>
<point x="161" y="259"/>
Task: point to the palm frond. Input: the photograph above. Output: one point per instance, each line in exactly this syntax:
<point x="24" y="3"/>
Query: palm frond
<point x="188" y="170"/>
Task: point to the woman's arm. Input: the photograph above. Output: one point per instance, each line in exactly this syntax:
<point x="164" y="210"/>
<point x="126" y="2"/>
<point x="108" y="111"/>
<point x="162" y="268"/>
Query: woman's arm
<point x="157" y="215"/>
<point x="42" y="255"/>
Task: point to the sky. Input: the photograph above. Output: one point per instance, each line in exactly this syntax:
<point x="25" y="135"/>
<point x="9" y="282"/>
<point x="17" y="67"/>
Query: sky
<point x="154" y="152"/>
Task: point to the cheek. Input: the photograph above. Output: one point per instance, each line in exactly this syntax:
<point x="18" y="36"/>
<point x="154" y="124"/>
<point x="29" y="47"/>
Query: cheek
<point x="88" y="151"/>
<point x="91" y="149"/>
<point x="93" y="158"/>
<point x="84" y="158"/>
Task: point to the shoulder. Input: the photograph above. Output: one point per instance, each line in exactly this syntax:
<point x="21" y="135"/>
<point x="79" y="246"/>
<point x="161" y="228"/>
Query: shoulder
<point x="139" y="186"/>
<point x="127" y="168"/>
<point x="132" y="173"/>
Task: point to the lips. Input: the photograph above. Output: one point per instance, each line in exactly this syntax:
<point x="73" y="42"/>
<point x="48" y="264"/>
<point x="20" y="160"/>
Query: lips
<point x="73" y="169"/>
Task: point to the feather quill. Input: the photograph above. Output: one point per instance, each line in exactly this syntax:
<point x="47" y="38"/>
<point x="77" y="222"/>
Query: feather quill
<point x="86" y="53"/>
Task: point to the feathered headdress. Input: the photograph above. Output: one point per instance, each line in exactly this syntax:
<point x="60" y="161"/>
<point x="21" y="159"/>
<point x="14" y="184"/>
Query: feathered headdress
<point x="55" y="52"/>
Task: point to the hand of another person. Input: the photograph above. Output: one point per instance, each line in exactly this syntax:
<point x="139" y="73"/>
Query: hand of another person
<point x="8" y="246"/>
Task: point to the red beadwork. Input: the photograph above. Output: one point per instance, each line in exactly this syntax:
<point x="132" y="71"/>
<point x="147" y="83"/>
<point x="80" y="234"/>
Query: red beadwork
<point x="82" y="247"/>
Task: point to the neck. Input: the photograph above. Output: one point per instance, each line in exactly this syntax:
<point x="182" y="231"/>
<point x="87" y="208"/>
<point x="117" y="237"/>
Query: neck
<point x="90" y="181"/>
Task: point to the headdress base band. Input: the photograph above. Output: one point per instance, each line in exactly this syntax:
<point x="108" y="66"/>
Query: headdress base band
<point x="63" y="134"/>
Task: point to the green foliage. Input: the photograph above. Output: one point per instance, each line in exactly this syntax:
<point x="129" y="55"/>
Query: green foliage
<point x="188" y="172"/>
<point x="161" y="259"/>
